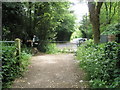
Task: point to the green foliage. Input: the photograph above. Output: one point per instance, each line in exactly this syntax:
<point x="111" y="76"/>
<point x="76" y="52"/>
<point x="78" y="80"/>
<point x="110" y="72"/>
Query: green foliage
<point x="27" y="49"/>
<point x="64" y="50"/>
<point x="12" y="66"/>
<point x="53" y="19"/>
<point x="66" y="28"/>
<point x="51" y="48"/>
<point x="11" y="20"/>
<point x="24" y="59"/>
<point x="46" y="20"/>
<point x="76" y="34"/>
<point x="112" y="29"/>
<point x="101" y="62"/>
<point x="109" y="14"/>
<point x="86" y="27"/>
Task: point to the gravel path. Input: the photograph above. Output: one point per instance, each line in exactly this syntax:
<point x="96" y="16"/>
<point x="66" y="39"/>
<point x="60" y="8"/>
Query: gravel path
<point x="52" y="71"/>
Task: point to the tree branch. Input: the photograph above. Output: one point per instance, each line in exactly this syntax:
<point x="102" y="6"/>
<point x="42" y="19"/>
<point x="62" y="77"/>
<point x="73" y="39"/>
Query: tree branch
<point x="99" y="5"/>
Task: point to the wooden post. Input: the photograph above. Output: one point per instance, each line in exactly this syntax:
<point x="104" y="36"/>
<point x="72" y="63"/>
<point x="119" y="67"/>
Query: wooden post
<point x="18" y="46"/>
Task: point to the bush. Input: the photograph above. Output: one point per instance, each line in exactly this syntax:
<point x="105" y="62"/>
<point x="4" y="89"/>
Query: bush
<point x="24" y="59"/>
<point x="101" y="62"/>
<point x="27" y="49"/>
<point x="51" y="48"/>
<point x="12" y="66"/>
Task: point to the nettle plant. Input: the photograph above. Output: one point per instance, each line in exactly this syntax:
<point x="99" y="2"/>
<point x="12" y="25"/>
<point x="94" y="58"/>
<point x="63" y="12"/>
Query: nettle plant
<point x="112" y="29"/>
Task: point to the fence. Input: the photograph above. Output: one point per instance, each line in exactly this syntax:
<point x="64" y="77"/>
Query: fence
<point x="15" y="43"/>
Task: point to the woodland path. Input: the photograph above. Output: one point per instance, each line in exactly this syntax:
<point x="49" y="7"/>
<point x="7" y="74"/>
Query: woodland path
<point x="52" y="71"/>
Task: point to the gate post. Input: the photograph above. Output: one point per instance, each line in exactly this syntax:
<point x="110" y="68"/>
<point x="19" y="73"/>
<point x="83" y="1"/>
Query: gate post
<point x="18" y="46"/>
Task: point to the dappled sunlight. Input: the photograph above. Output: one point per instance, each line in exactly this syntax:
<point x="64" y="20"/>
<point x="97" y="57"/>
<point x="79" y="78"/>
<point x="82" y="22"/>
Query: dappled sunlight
<point x="62" y="39"/>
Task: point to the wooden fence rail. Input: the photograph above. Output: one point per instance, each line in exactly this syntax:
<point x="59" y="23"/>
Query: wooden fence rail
<point x="17" y="45"/>
<point x="7" y="41"/>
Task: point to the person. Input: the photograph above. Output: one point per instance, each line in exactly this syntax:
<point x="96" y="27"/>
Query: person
<point x="34" y="38"/>
<point x="35" y="44"/>
<point x="35" y="41"/>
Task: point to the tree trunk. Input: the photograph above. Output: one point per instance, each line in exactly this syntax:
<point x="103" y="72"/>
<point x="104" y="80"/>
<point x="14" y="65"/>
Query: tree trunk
<point x="94" y="19"/>
<point x="35" y="18"/>
<point x="96" y="32"/>
<point x="30" y="20"/>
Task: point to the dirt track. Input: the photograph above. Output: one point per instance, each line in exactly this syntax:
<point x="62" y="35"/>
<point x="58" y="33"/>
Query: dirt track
<point x="52" y="71"/>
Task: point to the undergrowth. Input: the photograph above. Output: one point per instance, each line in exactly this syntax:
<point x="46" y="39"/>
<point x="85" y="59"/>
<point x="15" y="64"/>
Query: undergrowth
<point x="102" y="63"/>
<point x="13" y="66"/>
<point x="51" y="48"/>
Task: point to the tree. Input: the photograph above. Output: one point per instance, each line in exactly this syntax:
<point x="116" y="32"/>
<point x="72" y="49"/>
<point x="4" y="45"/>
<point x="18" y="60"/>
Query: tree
<point x="66" y="28"/>
<point x="85" y="27"/>
<point x="43" y="19"/>
<point x="94" y="9"/>
<point x="11" y="20"/>
<point x="109" y="14"/>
